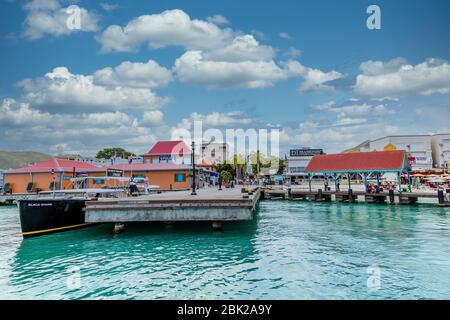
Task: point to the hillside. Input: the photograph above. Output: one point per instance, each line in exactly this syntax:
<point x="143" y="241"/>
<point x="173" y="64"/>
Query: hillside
<point x="12" y="160"/>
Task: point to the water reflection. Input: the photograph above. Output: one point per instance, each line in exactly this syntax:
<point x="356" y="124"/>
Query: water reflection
<point x="154" y="260"/>
<point x="291" y="250"/>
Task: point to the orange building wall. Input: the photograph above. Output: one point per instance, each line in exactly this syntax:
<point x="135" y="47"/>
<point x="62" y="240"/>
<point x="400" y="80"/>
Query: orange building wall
<point x="159" y="178"/>
<point x="19" y="182"/>
<point x="164" y="179"/>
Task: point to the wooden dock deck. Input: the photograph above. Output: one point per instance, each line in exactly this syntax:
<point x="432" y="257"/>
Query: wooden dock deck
<point x="208" y="205"/>
<point x="355" y="196"/>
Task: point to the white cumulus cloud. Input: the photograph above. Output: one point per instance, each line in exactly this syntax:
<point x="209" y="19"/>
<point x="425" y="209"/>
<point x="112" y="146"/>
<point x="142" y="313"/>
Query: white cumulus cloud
<point x="395" y="78"/>
<point x="152" y="117"/>
<point x="315" y="80"/>
<point x="171" y="27"/>
<point x="218" y="19"/>
<point x="134" y="74"/>
<point x="285" y="35"/>
<point x="215" y="57"/>
<point x="193" y="68"/>
<point x="109" y="6"/>
<point x="33" y="129"/>
<point x="65" y="90"/>
<point x="241" y="48"/>
<point x="216" y="119"/>
<point x="47" y="17"/>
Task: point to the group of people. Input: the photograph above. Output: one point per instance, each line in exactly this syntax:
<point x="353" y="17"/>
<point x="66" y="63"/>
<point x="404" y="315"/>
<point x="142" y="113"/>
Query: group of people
<point x="373" y="188"/>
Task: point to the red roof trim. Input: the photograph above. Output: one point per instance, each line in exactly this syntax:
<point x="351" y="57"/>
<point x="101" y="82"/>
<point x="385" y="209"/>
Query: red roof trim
<point x="58" y="165"/>
<point x="169" y="148"/>
<point x="359" y="161"/>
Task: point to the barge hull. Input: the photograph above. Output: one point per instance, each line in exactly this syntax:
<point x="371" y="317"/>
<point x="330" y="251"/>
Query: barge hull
<point x="41" y="217"/>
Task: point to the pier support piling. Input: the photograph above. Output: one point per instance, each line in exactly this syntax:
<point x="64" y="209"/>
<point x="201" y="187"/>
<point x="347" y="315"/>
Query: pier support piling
<point x="350" y="196"/>
<point x="391" y="197"/>
<point x="290" y="194"/>
<point x="441" y="198"/>
<point x="319" y="195"/>
<point x="118" y="228"/>
<point x="217" y="226"/>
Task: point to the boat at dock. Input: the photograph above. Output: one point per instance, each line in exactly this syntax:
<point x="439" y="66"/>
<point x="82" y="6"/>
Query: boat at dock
<point x="62" y="210"/>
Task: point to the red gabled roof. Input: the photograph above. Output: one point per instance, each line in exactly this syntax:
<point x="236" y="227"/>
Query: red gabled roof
<point x="59" y="165"/>
<point x="359" y="161"/>
<point x="169" y="148"/>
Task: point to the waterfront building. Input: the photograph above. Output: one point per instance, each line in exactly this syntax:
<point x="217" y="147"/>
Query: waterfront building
<point x="214" y="152"/>
<point x="168" y="152"/>
<point x="418" y="148"/>
<point x="101" y="162"/>
<point x="52" y="174"/>
<point x="297" y="162"/>
<point x="167" y="165"/>
<point x="170" y="176"/>
<point x="440" y="144"/>
<point x="56" y="174"/>
<point x="368" y="165"/>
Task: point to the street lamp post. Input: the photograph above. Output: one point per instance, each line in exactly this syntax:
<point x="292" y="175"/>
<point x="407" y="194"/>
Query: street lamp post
<point x="193" y="193"/>
<point x="53" y="182"/>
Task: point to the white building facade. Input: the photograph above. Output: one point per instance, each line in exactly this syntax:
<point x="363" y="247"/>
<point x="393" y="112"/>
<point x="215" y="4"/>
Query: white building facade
<point x="440" y="144"/>
<point x="298" y="160"/>
<point x="216" y="152"/>
<point x="418" y="147"/>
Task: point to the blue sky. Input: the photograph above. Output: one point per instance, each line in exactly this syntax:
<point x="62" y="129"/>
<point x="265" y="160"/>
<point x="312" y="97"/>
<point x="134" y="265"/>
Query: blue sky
<point x="311" y="68"/>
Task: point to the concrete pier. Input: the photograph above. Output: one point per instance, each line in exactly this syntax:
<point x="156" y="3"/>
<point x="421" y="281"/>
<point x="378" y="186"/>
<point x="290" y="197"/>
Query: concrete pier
<point x="208" y="205"/>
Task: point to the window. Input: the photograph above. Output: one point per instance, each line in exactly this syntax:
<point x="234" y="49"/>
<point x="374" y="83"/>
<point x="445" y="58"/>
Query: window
<point x="180" y="177"/>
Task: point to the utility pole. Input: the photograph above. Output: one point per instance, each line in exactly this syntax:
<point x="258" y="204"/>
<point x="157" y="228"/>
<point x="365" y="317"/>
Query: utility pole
<point x="193" y="193"/>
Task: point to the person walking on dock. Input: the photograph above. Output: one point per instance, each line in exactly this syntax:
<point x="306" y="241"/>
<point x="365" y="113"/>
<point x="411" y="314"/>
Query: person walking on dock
<point x="133" y="187"/>
<point x="220" y="182"/>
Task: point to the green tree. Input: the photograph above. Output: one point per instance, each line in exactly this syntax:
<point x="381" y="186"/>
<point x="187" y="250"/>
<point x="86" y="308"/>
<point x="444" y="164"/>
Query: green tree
<point x="221" y="167"/>
<point x="226" y="176"/>
<point x="260" y="161"/>
<point x="238" y="165"/>
<point x="281" y="166"/>
<point x="107" y="153"/>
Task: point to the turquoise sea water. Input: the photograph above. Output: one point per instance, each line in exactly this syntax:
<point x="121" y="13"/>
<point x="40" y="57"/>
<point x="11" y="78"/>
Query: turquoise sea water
<point x="292" y="250"/>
